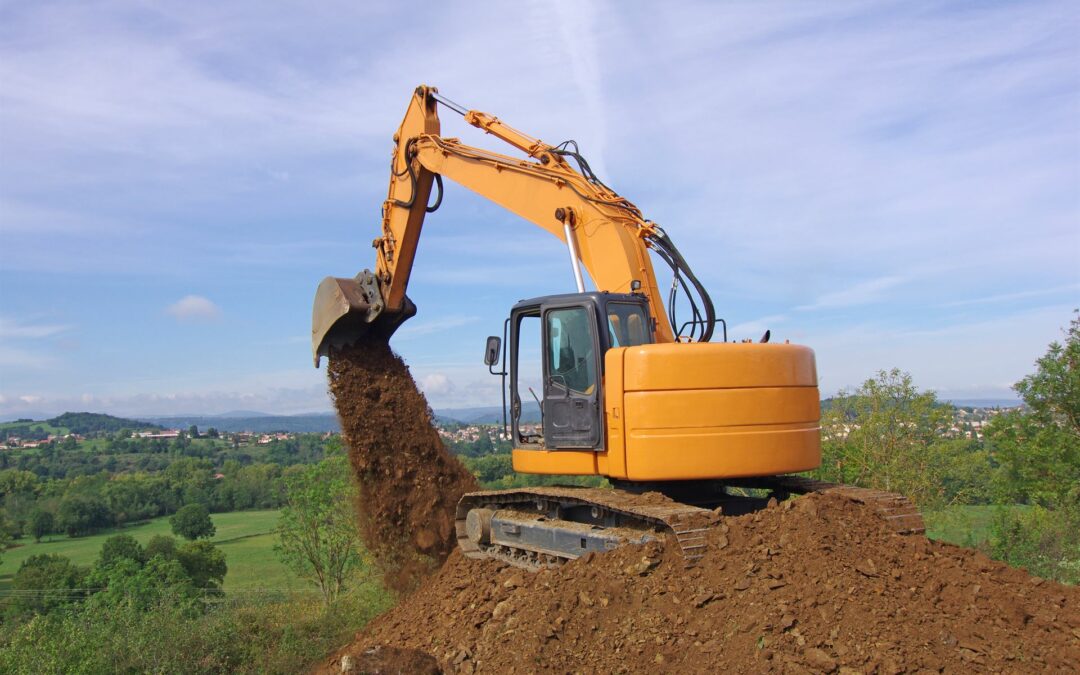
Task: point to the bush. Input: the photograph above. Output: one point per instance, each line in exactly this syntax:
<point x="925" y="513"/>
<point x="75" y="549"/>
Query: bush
<point x="281" y="635"/>
<point x="44" y="583"/>
<point x="1045" y="542"/>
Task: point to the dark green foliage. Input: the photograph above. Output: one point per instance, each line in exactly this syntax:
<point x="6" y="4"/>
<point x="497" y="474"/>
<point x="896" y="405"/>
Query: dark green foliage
<point x="203" y="563"/>
<point x="44" y="583"/>
<point x="193" y="522"/>
<point x="81" y="514"/>
<point x="160" y="545"/>
<point x="120" y="547"/>
<point x="284" y="634"/>
<point x="131" y="583"/>
<point x="41" y="524"/>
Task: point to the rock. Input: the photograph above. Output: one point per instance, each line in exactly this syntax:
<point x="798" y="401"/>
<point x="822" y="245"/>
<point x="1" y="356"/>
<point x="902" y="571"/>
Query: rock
<point x="514" y="581"/>
<point x="867" y="568"/>
<point x="819" y="660"/>
<point x="501" y="609"/>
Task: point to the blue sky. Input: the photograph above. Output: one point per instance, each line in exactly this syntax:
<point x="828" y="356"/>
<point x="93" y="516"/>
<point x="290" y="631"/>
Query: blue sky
<point x="895" y="184"/>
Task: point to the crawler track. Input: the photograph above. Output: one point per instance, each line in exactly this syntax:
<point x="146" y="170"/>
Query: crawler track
<point x="547" y="526"/>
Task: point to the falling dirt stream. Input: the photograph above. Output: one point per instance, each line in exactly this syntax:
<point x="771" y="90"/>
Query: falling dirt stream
<point x="409" y="483"/>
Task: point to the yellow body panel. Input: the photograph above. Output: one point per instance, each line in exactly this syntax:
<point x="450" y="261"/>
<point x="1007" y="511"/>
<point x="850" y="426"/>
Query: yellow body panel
<point x="700" y="411"/>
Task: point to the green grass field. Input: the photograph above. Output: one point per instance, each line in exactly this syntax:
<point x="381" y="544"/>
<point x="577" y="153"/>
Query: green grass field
<point x="962" y="525"/>
<point x="244" y="536"/>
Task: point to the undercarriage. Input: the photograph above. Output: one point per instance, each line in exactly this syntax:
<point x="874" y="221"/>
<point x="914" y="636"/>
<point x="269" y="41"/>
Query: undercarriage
<point x="542" y="527"/>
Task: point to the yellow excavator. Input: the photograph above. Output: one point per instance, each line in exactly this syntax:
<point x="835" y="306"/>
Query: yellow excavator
<point x="627" y="392"/>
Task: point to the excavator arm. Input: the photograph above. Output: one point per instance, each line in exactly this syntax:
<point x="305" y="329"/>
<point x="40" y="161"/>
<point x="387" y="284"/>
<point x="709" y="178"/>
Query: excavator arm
<point x="602" y="230"/>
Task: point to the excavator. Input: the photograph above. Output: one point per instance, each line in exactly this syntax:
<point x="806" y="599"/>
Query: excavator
<point x="627" y="393"/>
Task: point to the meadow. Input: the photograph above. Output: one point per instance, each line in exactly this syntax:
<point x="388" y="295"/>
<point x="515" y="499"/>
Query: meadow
<point x="246" y="538"/>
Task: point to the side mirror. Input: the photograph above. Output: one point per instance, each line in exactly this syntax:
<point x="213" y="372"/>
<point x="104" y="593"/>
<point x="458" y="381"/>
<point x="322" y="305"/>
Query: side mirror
<point x="492" y="350"/>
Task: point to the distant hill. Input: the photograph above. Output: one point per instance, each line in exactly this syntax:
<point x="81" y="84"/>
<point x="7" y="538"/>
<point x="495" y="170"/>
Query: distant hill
<point x="256" y="423"/>
<point x="530" y="412"/>
<point x="87" y="423"/>
<point x="81" y="423"/>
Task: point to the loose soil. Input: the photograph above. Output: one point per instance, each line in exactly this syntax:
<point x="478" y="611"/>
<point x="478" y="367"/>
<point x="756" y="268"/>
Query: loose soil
<point x="815" y="584"/>
<point x="409" y="483"/>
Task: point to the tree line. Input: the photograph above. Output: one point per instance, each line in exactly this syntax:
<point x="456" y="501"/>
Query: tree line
<point x="887" y="434"/>
<point x="56" y="500"/>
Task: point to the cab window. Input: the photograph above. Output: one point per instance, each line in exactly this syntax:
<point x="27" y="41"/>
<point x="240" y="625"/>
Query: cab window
<point x="571" y="353"/>
<point x="627" y="326"/>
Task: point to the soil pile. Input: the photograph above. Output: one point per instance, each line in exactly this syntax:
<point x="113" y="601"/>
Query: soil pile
<point x="409" y="483"/>
<point x="815" y="584"/>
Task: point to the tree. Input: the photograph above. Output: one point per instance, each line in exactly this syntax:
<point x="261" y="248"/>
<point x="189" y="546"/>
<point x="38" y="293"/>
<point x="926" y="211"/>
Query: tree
<point x="1038" y="450"/>
<point x="120" y="547"/>
<point x="1038" y="447"/>
<point x="83" y="514"/>
<point x="204" y="564"/>
<point x="317" y="532"/>
<point x="41" y="524"/>
<point x="889" y="435"/>
<point x="160" y="545"/>
<point x="193" y="431"/>
<point x="45" y="582"/>
<point x="193" y="522"/>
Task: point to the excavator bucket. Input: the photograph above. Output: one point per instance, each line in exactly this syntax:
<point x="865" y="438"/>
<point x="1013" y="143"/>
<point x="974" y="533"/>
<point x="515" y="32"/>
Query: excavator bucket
<point x="347" y="310"/>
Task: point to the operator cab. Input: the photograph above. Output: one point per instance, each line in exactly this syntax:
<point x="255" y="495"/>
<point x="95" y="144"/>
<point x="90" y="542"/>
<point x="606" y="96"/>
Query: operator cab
<point x="557" y="345"/>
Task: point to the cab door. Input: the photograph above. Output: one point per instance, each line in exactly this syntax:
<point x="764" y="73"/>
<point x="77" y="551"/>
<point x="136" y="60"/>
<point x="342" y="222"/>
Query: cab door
<point x="572" y="399"/>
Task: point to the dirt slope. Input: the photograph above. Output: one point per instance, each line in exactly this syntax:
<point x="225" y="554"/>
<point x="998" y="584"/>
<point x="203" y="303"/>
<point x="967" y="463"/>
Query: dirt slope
<point x="409" y="483"/>
<point x="818" y="584"/>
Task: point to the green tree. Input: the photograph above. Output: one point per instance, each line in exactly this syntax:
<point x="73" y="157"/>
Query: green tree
<point x="888" y="435"/>
<point x="120" y="547"/>
<point x="317" y="532"/>
<point x="131" y="584"/>
<point x="204" y="564"/>
<point x="1038" y="447"/>
<point x="81" y="514"/>
<point x="45" y="582"/>
<point x="41" y="524"/>
<point x="160" y="545"/>
<point x="1038" y="450"/>
<point x="193" y="522"/>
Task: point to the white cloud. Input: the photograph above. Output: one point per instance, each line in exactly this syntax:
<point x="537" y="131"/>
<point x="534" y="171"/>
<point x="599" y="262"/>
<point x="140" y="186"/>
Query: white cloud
<point x="18" y="358"/>
<point x="12" y="328"/>
<point x="858" y="294"/>
<point x="436" y="384"/>
<point x="755" y="327"/>
<point x="414" y="329"/>
<point x="194" y="308"/>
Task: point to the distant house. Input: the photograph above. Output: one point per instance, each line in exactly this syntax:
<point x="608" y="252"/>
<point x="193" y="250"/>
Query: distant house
<point x="167" y="433"/>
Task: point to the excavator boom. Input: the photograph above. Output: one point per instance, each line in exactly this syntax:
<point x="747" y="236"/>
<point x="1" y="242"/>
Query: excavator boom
<point x="603" y="230"/>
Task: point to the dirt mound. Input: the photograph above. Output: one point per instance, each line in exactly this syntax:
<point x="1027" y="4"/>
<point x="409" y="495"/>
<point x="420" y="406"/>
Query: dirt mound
<point x="817" y="584"/>
<point x="409" y="483"/>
